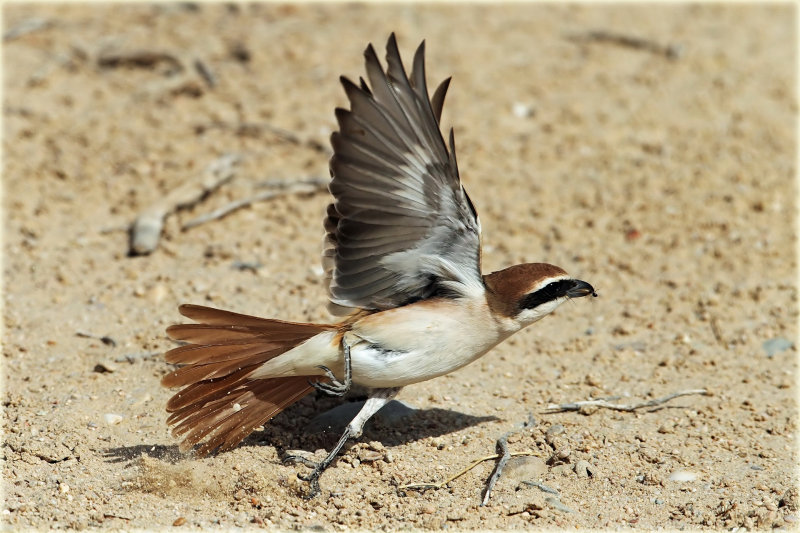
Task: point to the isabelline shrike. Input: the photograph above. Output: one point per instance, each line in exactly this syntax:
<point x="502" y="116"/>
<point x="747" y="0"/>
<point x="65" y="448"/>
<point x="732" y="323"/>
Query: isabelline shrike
<point x="402" y="257"/>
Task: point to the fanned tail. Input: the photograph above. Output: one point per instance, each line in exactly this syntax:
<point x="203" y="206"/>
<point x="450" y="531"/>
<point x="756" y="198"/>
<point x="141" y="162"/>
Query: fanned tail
<point x="219" y="400"/>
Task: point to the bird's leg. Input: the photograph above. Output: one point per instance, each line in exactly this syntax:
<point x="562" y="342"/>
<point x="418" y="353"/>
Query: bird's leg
<point x="378" y="399"/>
<point x="336" y="387"/>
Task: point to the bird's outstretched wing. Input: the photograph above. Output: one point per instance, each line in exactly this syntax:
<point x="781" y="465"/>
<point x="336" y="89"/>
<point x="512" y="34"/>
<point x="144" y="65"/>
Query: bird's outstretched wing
<point x="401" y="227"/>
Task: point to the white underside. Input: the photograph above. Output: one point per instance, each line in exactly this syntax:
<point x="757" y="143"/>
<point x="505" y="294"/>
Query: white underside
<point x="401" y="346"/>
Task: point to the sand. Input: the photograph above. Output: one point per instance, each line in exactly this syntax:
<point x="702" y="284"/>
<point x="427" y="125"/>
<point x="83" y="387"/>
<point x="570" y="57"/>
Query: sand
<point x="662" y="173"/>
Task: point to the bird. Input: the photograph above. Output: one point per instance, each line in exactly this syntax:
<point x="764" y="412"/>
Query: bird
<point x="402" y="264"/>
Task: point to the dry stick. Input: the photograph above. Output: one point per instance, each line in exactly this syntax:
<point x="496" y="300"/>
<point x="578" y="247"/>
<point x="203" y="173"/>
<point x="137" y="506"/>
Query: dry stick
<point x="205" y="73"/>
<point x="296" y="187"/>
<point x="502" y="447"/>
<point x="425" y="486"/>
<point x="256" y="128"/>
<point x="576" y="406"/>
<point x="671" y="51"/>
<point x="284" y="183"/>
<point x="146" y="229"/>
<point x="139" y="59"/>
<point x="715" y="330"/>
<point x="25" y="27"/>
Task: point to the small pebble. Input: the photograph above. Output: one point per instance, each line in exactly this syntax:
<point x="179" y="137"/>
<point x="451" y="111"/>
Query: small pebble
<point x="179" y="521"/>
<point x="112" y="419"/>
<point x="370" y="456"/>
<point x="105" y="366"/>
<point x="300" y="453"/>
<point x="63" y="488"/>
<point x="682" y="475"/>
<point x="552" y="432"/>
<point x="776" y="345"/>
<point x="584" y="469"/>
<point x="521" y="110"/>
<point x="429" y="509"/>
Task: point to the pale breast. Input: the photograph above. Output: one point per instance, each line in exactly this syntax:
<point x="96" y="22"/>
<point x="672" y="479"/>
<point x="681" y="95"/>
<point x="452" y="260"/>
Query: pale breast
<point x="420" y="341"/>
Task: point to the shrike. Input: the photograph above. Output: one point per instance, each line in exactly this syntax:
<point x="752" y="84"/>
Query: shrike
<point x="402" y="257"/>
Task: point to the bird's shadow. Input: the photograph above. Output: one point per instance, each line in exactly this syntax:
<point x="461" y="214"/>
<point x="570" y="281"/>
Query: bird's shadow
<point x="394" y="425"/>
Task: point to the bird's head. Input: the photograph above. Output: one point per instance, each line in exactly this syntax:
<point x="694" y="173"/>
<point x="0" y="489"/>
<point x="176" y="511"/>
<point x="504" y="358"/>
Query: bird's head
<point x="528" y="292"/>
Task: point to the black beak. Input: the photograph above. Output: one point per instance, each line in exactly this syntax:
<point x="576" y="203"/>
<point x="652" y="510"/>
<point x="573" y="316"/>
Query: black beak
<point x="581" y="289"/>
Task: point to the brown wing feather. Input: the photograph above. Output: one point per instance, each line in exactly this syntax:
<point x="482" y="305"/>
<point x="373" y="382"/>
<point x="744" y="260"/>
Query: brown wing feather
<point x="219" y="401"/>
<point x="401" y="228"/>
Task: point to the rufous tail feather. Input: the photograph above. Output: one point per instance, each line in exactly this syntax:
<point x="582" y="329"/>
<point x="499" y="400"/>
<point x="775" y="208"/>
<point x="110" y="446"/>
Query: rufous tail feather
<point x="219" y="401"/>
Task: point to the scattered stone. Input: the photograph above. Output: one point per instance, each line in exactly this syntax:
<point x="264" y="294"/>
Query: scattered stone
<point x="112" y="419"/>
<point x="563" y="469"/>
<point x="179" y="522"/>
<point x="105" y="366"/>
<point x="559" y="456"/>
<point x="63" y="488"/>
<point x="523" y="468"/>
<point x="584" y="469"/>
<point x="522" y="110"/>
<point x="429" y="509"/>
<point x="552" y="432"/>
<point x="776" y="345"/>
<point x="592" y="381"/>
<point x="369" y="456"/>
<point x="682" y="475"/>
<point x="789" y="499"/>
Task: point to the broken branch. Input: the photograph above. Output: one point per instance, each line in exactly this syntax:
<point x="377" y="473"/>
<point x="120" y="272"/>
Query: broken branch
<point x="305" y="186"/>
<point x="146" y="229"/>
<point x="425" y="486"/>
<point x="502" y="447"/>
<point x="670" y="51"/>
<point x="577" y="406"/>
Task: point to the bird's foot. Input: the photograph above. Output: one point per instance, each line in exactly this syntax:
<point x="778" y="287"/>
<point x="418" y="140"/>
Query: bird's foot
<point x="312" y="478"/>
<point x="336" y="387"/>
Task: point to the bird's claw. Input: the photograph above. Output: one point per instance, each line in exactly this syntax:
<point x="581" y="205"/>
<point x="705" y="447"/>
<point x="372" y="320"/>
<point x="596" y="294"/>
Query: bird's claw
<point x="336" y="387"/>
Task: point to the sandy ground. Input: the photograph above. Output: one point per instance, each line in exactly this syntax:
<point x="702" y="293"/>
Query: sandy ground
<point x="665" y="177"/>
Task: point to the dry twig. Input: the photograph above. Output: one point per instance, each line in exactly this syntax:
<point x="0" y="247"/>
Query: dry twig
<point x="577" y="406"/>
<point x="146" y="229"/>
<point x="425" y="486"/>
<point x="139" y="59"/>
<point x="670" y="51"/>
<point x="502" y="447"/>
<point x="205" y="73"/>
<point x="285" y="187"/>
<point x="25" y="27"/>
<point x="504" y="456"/>
<point x="256" y="129"/>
